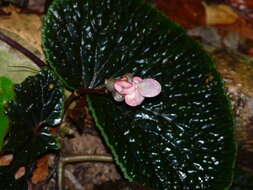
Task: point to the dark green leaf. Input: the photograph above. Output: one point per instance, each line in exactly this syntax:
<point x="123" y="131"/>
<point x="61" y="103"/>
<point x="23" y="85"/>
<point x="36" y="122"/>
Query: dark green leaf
<point x="37" y="108"/>
<point x="6" y="94"/>
<point x="180" y="140"/>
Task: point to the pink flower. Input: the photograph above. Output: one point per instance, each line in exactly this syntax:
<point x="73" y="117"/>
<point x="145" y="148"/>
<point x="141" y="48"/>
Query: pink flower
<point x="136" y="89"/>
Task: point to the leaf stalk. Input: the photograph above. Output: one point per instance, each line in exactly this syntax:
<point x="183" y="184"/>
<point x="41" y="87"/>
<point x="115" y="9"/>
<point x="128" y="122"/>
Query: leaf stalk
<point x="22" y="49"/>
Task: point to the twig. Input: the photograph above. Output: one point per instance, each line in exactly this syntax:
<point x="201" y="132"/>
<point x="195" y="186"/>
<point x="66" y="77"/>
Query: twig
<point x="73" y="180"/>
<point x="22" y="49"/>
<point x="79" y="158"/>
<point x="92" y="91"/>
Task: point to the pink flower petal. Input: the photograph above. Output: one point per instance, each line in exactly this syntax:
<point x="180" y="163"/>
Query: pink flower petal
<point x="130" y="90"/>
<point x="149" y="87"/>
<point x="120" y="85"/>
<point x="133" y="90"/>
<point x="137" y="80"/>
<point x="134" y="99"/>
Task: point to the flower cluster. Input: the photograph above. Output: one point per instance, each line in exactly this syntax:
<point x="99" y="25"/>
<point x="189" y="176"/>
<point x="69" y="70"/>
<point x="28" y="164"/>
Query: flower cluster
<point x="134" y="89"/>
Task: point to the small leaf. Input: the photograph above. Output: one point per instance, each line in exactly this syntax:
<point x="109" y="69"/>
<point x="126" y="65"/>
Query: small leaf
<point x="37" y="108"/>
<point x="20" y="172"/>
<point x="5" y="160"/>
<point x="220" y="14"/>
<point x="6" y="90"/>
<point x="6" y="94"/>
<point x="41" y="171"/>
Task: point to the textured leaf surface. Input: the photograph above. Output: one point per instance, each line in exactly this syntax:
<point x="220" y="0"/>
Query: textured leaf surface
<point x="6" y="94"/>
<point x="38" y="107"/>
<point x="179" y="140"/>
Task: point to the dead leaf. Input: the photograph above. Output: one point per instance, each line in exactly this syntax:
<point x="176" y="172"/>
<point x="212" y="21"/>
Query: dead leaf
<point x="244" y="7"/>
<point x="27" y="26"/>
<point x="220" y="14"/>
<point x="41" y="171"/>
<point x="231" y="15"/>
<point x="36" y="5"/>
<point x="5" y="160"/>
<point x="241" y="26"/>
<point x="250" y="51"/>
<point x="190" y="13"/>
<point x="20" y="172"/>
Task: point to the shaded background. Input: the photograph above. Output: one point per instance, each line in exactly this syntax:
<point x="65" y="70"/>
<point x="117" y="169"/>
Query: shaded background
<point x="224" y="27"/>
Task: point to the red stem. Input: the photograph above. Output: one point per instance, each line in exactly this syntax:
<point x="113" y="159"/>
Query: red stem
<point x="22" y="49"/>
<point x="76" y="94"/>
<point x="92" y="91"/>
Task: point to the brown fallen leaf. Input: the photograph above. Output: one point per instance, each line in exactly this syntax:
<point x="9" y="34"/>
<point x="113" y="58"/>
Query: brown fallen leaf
<point x="240" y="26"/>
<point x="189" y="14"/>
<point x="219" y="14"/>
<point x="36" y="6"/>
<point x="244" y="7"/>
<point x="244" y="24"/>
<point x="250" y="51"/>
<point x="5" y="160"/>
<point x="231" y="15"/>
<point x="41" y="171"/>
<point x="20" y="172"/>
<point x="27" y="26"/>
